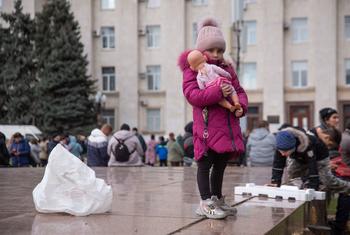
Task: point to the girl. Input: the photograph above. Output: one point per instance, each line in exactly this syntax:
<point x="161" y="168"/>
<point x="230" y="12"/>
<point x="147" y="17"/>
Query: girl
<point x="216" y="131"/>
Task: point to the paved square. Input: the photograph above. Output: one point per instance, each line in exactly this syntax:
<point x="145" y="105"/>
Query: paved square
<point x="146" y="200"/>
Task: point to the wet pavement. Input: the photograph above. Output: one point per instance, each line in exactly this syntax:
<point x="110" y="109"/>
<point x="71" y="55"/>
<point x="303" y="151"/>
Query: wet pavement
<point x="146" y="200"/>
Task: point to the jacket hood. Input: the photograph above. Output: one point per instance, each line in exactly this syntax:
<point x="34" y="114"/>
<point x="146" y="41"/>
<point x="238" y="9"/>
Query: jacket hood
<point x="182" y="61"/>
<point x="123" y="134"/>
<point x="301" y="136"/>
<point x="97" y="136"/>
<point x="259" y="133"/>
<point x="72" y="139"/>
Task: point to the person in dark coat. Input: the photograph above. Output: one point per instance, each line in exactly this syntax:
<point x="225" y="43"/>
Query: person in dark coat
<point x="97" y="146"/>
<point x="20" y="151"/>
<point x="188" y="144"/>
<point x="56" y="138"/>
<point x="4" y="154"/>
<point x="333" y="139"/>
<point x="142" y="142"/>
<point x="308" y="159"/>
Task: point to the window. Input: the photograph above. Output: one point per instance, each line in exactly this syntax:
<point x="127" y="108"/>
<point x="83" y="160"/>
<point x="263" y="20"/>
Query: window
<point x="108" y="76"/>
<point x="237" y="10"/>
<point x="299" y="30"/>
<point x="246" y="2"/>
<point x="153" y="119"/>
<point x="251" y="32"/>
<point x="346" y="114"/>
<point x="153" y="77"/>
<point x="299" y="74"/>
<point x="153" y="3"/>
<point x="199" y="2"/>
<point x="194" y="33"/>
<point x="249" y="76"/>
<point x="108" y="117"/>
<point x="153" y="36"/>
<point x="347" y="27"/>
<point x="347" y="72"/>
<point x="108" y="37"/>
<point x="107" y="4"/>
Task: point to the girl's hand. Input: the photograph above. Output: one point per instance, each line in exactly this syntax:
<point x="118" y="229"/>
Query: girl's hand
<point x="226" y="90"/>
<point x="239" y="112"/>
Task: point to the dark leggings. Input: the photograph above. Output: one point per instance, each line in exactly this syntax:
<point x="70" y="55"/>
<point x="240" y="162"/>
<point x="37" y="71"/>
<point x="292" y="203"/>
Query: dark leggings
<point x="343" y="211"/>
<point x="163" y="162"/>
<point x="213" y="185"/>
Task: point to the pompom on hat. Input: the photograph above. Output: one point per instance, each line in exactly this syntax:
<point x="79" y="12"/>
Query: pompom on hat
<point x="209" y="35"/>
<point x="285" y="141"/>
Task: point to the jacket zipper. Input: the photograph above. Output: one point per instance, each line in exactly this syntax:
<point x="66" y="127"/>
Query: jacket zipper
<point x="231" y="131"/>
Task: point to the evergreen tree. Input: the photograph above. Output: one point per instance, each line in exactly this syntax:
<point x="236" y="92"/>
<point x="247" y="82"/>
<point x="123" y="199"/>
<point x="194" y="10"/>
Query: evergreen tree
<point x="3" y="90"/>
<point x="17" y="67"/>
<point x="64" y="88"/>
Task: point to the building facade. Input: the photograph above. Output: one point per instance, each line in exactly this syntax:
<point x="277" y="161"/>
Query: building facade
<point x="294" y="56"/>
<point x="295" y="59"/>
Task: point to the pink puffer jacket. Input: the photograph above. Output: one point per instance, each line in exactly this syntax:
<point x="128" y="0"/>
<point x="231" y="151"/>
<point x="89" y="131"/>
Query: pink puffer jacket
<point x="222" y="124"/>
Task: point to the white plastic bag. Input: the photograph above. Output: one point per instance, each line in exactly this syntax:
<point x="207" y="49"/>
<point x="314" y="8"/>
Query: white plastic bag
<point x="70" y="186"/>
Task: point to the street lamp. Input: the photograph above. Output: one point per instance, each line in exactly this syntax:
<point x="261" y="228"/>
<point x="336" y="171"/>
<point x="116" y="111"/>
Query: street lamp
<point x="237" y="29"/>
<point x="100" y="101"/>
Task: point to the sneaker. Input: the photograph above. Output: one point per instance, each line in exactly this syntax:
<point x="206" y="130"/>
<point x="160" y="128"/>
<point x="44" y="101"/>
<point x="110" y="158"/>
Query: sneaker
<point x="209" y="209"/>
<point x="221" y="203"/>
<point x="199" y="211"/>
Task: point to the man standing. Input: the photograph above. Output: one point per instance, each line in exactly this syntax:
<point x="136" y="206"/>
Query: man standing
<point x="97" y="146"/>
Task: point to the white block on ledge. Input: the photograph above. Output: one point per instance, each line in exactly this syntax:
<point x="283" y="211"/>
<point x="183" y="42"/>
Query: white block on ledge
<point x="284" y="192"/>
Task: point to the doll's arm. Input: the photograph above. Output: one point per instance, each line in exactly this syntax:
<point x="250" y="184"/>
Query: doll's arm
<point x="201" y="81"/>
<point x="221" y="71"/>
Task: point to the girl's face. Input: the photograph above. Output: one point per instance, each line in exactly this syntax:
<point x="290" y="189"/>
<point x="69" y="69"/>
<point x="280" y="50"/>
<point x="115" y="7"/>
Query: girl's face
<point x="215" y="54"/>
<point x="333" y="121"/>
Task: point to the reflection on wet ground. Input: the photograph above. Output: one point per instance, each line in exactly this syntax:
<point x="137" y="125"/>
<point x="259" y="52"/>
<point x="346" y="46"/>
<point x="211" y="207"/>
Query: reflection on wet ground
<point x="146" y="200"/>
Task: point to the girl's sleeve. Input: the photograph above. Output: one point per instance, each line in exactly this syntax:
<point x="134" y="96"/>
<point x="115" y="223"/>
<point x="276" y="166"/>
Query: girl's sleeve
<point x="242" y="96"/>
<point x="197" y="97"/>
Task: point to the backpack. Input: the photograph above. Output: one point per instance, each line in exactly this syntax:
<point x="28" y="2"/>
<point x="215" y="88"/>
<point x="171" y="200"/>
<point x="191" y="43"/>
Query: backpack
<point x="121" y="152"/>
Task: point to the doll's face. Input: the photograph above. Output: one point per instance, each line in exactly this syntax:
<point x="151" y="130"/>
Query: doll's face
<point x="203" y="60"/>
<point x="215" y="53"/>
<point x="201" y="66"/>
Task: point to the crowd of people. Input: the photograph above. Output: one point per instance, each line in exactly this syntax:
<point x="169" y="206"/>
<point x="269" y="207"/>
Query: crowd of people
<point x="101" y="148"/>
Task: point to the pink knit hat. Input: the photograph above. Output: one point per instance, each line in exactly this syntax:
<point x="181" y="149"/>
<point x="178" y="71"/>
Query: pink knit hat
<point x="210" y="36"/>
